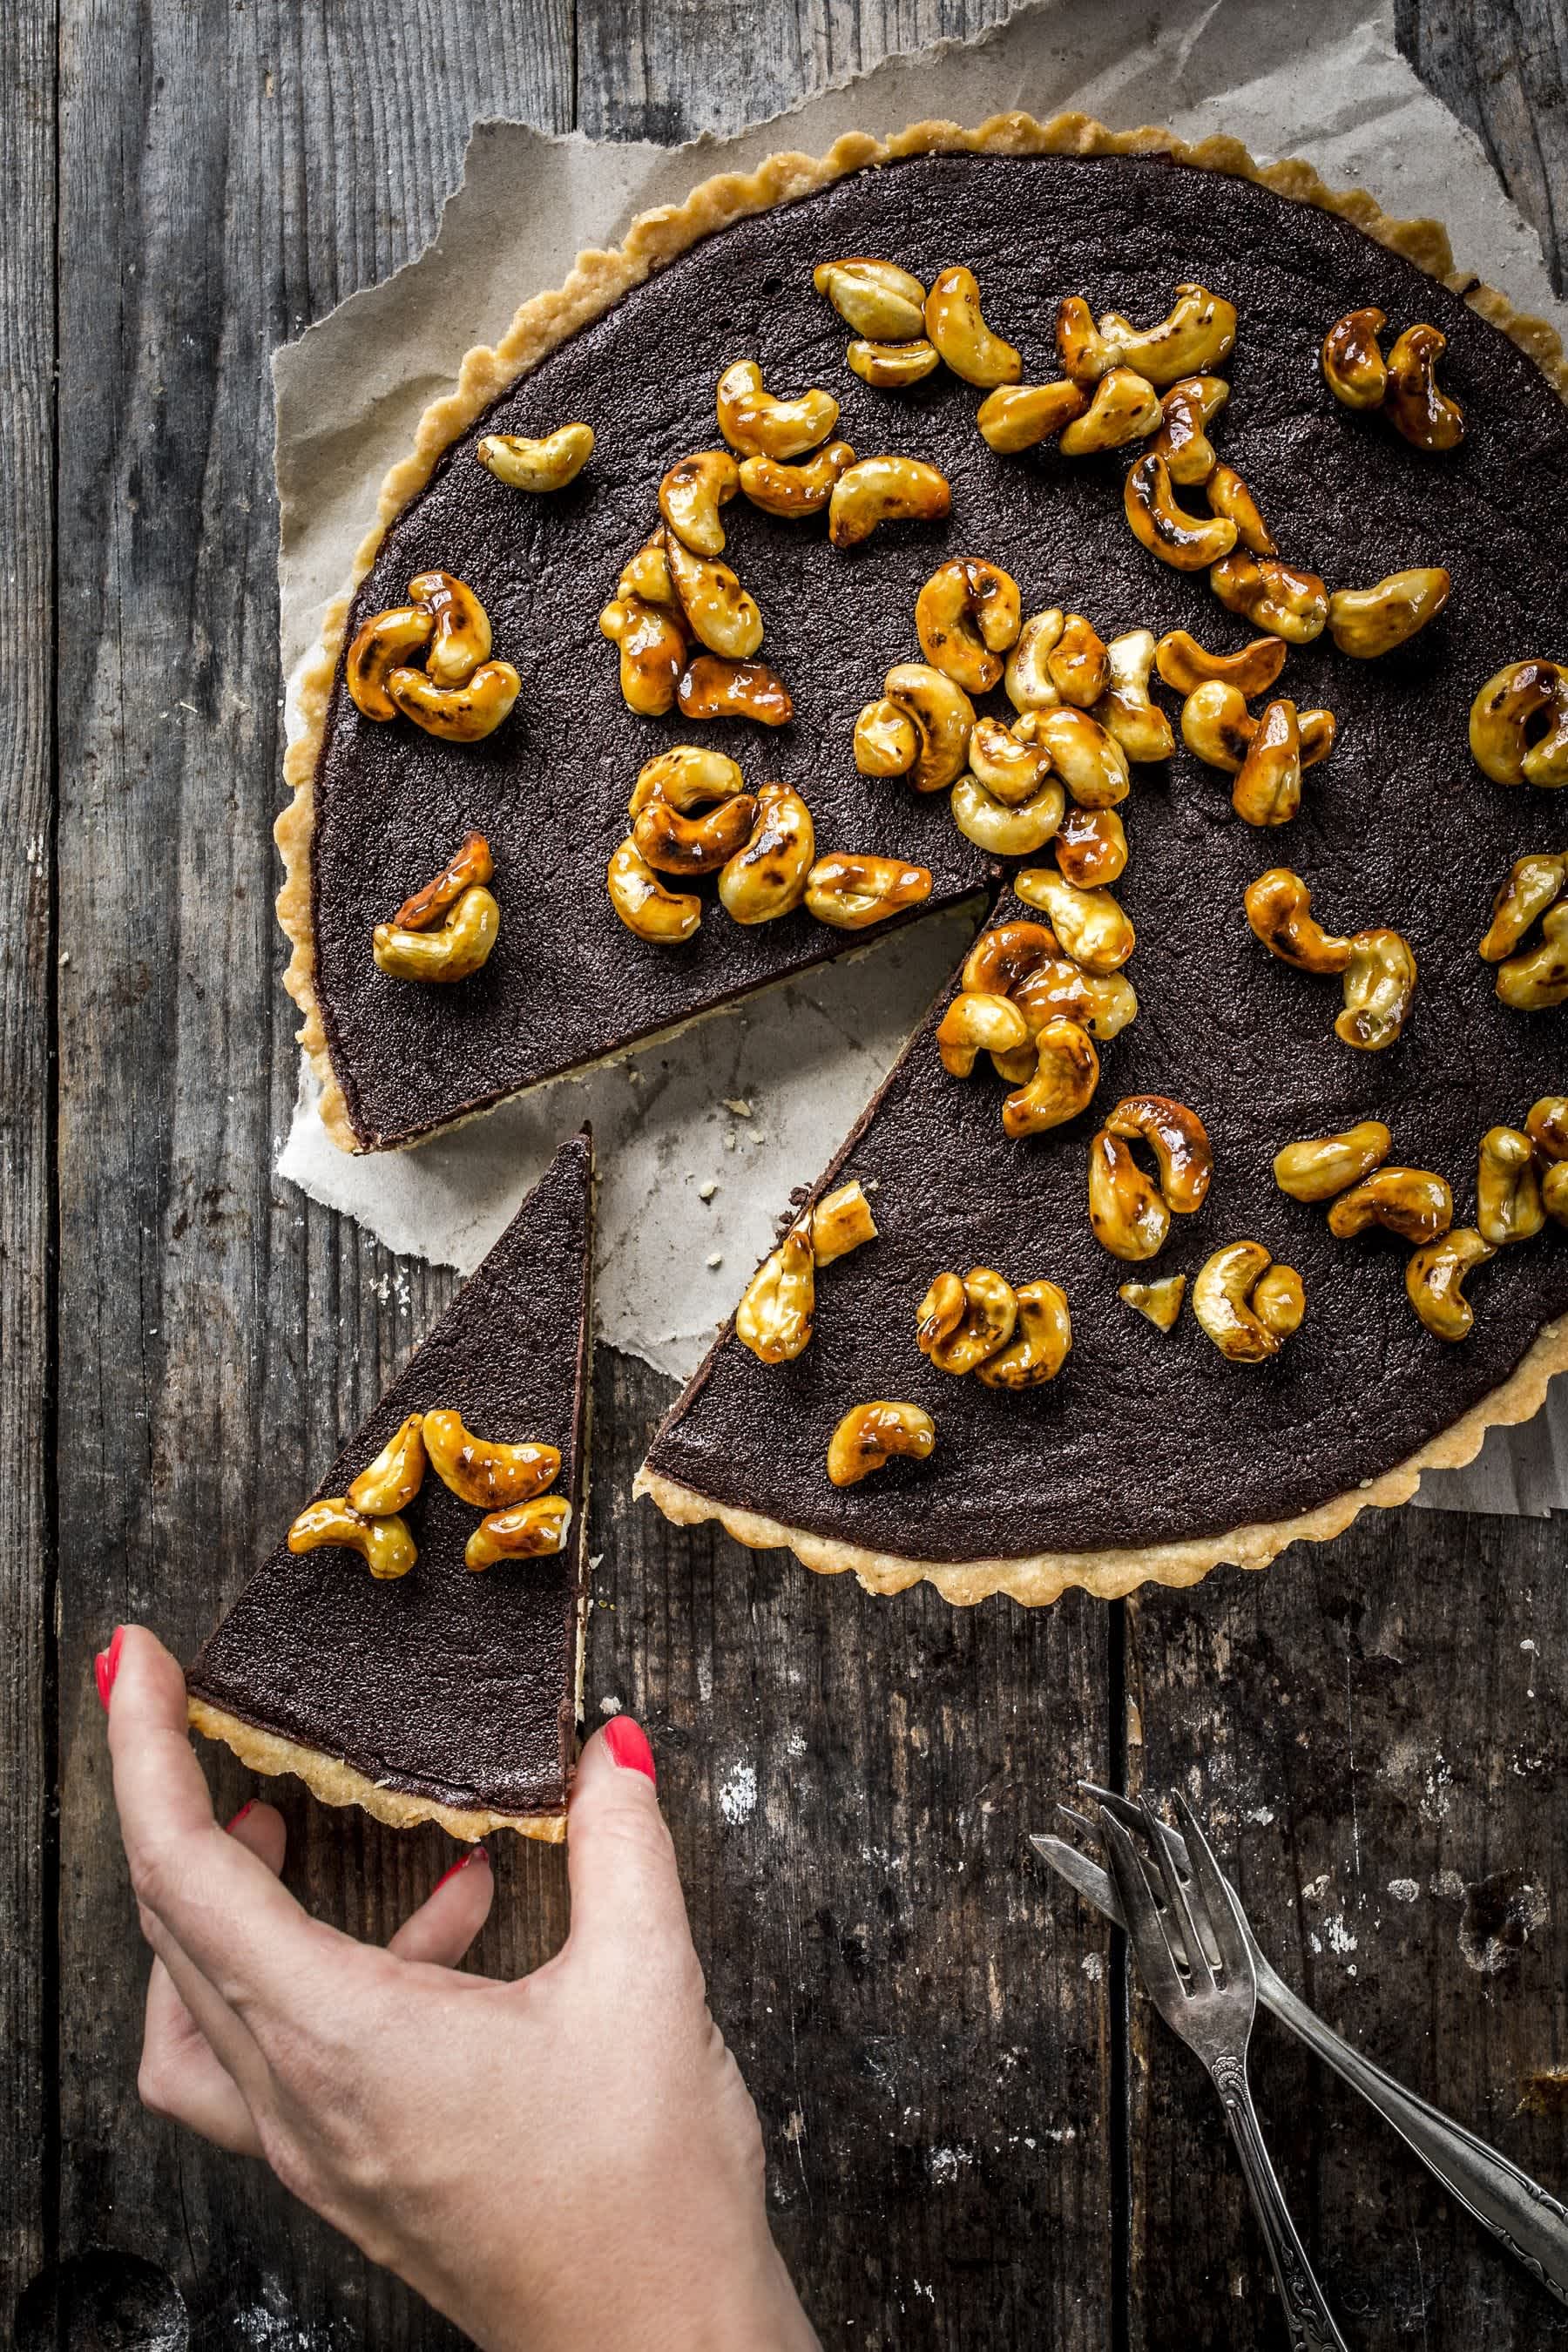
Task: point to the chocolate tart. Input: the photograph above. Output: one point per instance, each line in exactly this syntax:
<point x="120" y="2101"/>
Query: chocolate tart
<point x="443" y="1695"/>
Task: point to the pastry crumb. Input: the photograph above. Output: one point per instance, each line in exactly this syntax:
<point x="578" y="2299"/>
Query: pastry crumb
<point x="739" y="1104"/>
<point x="706" y="1192"/>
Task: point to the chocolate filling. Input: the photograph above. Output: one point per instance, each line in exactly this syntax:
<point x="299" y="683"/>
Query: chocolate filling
<point x="455" y="1686"/>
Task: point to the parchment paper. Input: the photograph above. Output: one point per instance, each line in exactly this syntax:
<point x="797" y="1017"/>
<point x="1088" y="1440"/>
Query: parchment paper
<point x="754" y="1101"/>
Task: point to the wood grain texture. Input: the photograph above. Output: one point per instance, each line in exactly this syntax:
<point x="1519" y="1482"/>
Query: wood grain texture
<point x="1503" y="67"/>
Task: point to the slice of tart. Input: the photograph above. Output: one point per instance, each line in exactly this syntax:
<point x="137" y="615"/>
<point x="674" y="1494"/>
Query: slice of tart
<point x="413" y="1645"/>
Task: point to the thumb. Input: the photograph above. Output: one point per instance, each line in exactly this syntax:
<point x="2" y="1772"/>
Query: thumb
<point x="619" y="1856"/>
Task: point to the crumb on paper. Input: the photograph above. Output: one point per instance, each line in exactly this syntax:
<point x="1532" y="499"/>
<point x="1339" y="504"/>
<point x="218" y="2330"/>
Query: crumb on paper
<point x="715" y="1258"/>
<point x="706" y="1190"/>
<point x="739" y="1104"/>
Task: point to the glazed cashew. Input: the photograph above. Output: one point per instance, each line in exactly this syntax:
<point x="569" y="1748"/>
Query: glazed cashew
<point x="719" y="612"/>
<point x="1188" y="542"/>
<point x="841" y="1221"/>
<point x="893" y="367"/>
<point x="1091" y="846"/>
<point x="1413" y="402"/>
<point x="1279" y="909"/>
<point x="664" y="918"/>
<point x="1434" y="1280"/>
<point x="1179" y="1141"/>
<point x="384" y="1544"/>
<point x="470" y="863"/>
<point x="1011" y="770"/>
<point x="1029" y="683"/>
<point x="457" y="714"/>
<point x="1085" y="354"/>
<point x="691" y="494"/>
<point x="1268" y="788"/>
<point x="851" y="892"/>
<point x="1273" y="595"/>
<point x="1352" y="361"/>
<point x="1519" y="724"/>
<point x="795" y="493"/>
<point x="449" y="951"/>
<point x="1547" y="1128"/>
<point x="387" y="641"/>
<point x="538" y="467"/>
<point x="1183" y="663"/>
<point x="1537" y="980"/>
<point x="1367" y="622"/>
<point x="871" y="1434"/>
<point x="390" y="1483"/>
<point x="1508" y="1207"/>
<point x="645" y="574"/>
<point x="1018" y="416"/>
<point x="773" y="1317"/>
<point x="674" y="844"/>
<point x="876" y="491"/>
<point x="1125" y="1209"/>
<point x="1379" y="987"/>
<point x="1007" y="828"/>
<point x="1534" y="883"/>
<point x="886" y="742"/>
<point x="1198" y="332"/>
<point x="767" y="877"/>
<point x="1125" y="709"/>
<point x="875" y="297"/>
<point x="1004" y="958"/>
<point x="981" y="1021"/>
<point x="1228" y="495"/>
<point x="1129" y="1215"/>
<point x="1325" y="1165"/>
<point x="1183" y="439"/>
<point x="1091" y="927"/>
<point x="1067" y="1072"/>
<point x="688" y="776"/>
<point x="460" y="640"/>
<point x="939" y="715"/>
<point x="966" y="616"/>
<point x="1217" y="726"/>
<point x="530" y="1531"/>
<point x="1090" y="763"/>
<point x="1125" y="408"/>
<point x="490" y="1476"/>
<point x="460" y="695"/>
<point x="1103" y="1003"/>
<point x="1413" y="1202"/>
<point x="652" y="648"/>
<point x="757" y="424"/>
<point x="1042" y="1344"/>
<point x="955" y="324"/>
<point x="1159" y="1302"/>
<point x="1245" y="1304"/>
<point x="1078" y="664"/>
<point x="985" y="1326"/>
<point x="712" y="686"/>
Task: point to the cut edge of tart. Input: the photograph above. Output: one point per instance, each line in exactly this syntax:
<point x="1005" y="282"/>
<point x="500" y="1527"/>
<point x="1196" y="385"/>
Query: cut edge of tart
<point x="333" y="1779"/>
<point x="655" y="239"/>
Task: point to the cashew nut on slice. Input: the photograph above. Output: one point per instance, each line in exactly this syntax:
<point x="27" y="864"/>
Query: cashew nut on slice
<point x="956" y="325"/>
<point x="876" y="491"/>
<point x="1125" y="408"/>
<point x="1066" y="1075"/>
<point x="1508" y="1207"/>
<point x="1229" y="494"/>
<point x="1183" y="663"/>
<point x="1188" y="542"/>
<point x="1519" y="724"/>
<point x="939" y="715"/>
<point x="1434" y="1281"/>
<point x="457" y="714"/>
<point x="851" y="892"/>
<point x="1092" y="928"/>
<point x="1268" y="788"/>
<point x="1535" y="882"/>
<point x="1379" y="988"/>
<point x="1129" y="1215"/>
<point x="718" y="610"/>
<point x="1159" y="1302"/>
<point x="1547" y="1128"/>
<point x="449" y="951"/>
<point x="871" y="1434"/>
<point x="530" y="1531"/>
<point x="966" y="616"/>
<point x="1197" y="333"/>
<point x="940" y="1312"/>
<point x="1078" y="664"/>
<point x="1413" y="1202"/>
<point x="653" y="648"/>
<point x="1090" y="763"/>
<point x="664" y="918"/>
<point x="1091" y="848"/>
<point x="487" y="1474"/>
<point x="1273" y="595"/>
<point x="1125" y="1209"/>
<point x="1536" y="979"/>
<point x="893" y="367"/>
<point x="1011" y="770"/>
<point x="1104" y="1004"/>
<point x="390" y="1483"/>
<point x="688" y="776"/>
<point x="1245" y="1304"/>
<point x="795" y="493"/>
<point x="767" y="877"/>
<point x="1279" y="909"/>
<point x="757" y="424"/>
<point x="1183" y="439"/>
<point x="538" y="466"/>
<point x="981" y="1020"/>
<point x="1085" y="354"/>
<point x="1324" y="1165"/>
<point x="985" y="1325"/>
<point x="841" y="1221"/>
<point x="387" y="641"/>
<point x="1179" y="1141"/>
<point x="1009" y="828"/>
<point x="1029" y="683"/>
<point x="1124" y="709"/>
<point x="1018" y="416"/>
<point x="1413" y="402"/>
<point x="773" y="1317"/>
<point x="712" y="686"/>
<point x="691" y="494"/>
<point x="1217" y="726"/>
<point x="1041" y="1342"/>
<point x="1352" y="361"/>
<point x="384" y="1543"/>
<point x="460" y="639"/>
<point x="673" y="844"/>
<point x="886" y="743"/>
<point x="472" y="862"/>
<point x="1368" y="622"/>
<point x="460" y="695"/>
<point x="875" y="297"/>
<point x="1005" y="957"/>
<point x="645" y="572"/>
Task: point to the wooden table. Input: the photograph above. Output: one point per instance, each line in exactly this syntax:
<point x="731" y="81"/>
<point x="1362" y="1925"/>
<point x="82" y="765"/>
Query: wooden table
<point x="973" y="2137"/>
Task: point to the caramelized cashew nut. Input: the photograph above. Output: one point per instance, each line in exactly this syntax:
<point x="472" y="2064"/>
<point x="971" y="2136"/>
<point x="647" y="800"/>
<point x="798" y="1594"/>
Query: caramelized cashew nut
<point x="1091" y="848"/>
<point x="841" y="1221"/>
<point x="1413" y="1202"/>
<point x="871" y="1434"/>
<point x="893" y="367"/>
<point x="530" y="1531"/>
<point x="1130" y="1215"/>
<point x="1125" y="709"/>
<point x="1188" y="542"/>
<point x="1092" y="927"/>
<point x="481" y="1471"/>
<point x="1352" y="361"/>
<point x="1183" y="439"/>
<point x="1159" y="1302"/>
<point x="851" y="892"/>
<point x="456" y="714"/>
<point x="1434" y="1281"/>
<point x="719" y="612"/>
<point x="1010" y="828"/>
<point x="1089" y="761"/>
<point x="451" y="951"/>
<point x="1029" y="683"/>
<point x="538" y="466"/>
<point x="773" y="1317"/>
<point x="664" y="918"/>
<point x="956" y="325"/>
<point x="939" y="717"/>
<point x="981" y="1021"/>
<point x="714" y="687"/>
<point x="1125" y="408"/>
<point x="795" y="493"/>
<point x="1508" y="1206"/>
<point x="966" y="616"/>
<point x="1018" y="416"/>
<point x="1041" y="1344"/>
<point x="1535" y="882"/>
<point x="1196" y="334"/>
<point x="1413" y="402"/>
<point x="1011" y="770"/>
<point x="1273" y="595"/>
<point x="767" y="877"/>
<point x="758" y="424"/>
<point x="384" y="1543"/>
<point x="1228" y="495"/>
<point x="1536" y="980"/>
<point x="1245" y="1304"/>
<point x="1519" y="724"/>
<point x="472" y="862"/>
<point x="1217" y="726"/>
<point x="1279" y="909"/>
<point x="653" y="648"/>
<point x="390" y="1483"/>
<point x="876" y="491"/>
<point x="1067" y="1073"/>
<point x="875" y="297"/>
<point x="983" y="1325"/>
<point x="691" y="494"/>
<point x="1379" y="988"/>
<point x="1368" y="622"/>
<point x="1268" y="788"/>
<point x="1324" y="1165"/>
<point x="1183" y="663"/>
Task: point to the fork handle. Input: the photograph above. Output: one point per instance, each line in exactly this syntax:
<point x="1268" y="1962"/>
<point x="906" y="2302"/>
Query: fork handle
<point x="1307" y="2314"/>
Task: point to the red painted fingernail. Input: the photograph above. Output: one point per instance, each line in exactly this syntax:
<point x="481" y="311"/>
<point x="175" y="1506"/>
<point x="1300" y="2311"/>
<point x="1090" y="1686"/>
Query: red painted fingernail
<point x="106" y="1665"/>
<point x="474" y="1854"/>
<point x="627" y="1744"/>
<point x="247" y="1806"/>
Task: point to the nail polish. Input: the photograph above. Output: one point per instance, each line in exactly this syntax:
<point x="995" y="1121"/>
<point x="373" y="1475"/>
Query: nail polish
<point x="627" y="1744"/>
<point x="249" y="1806"/>
<point x="474" y="1854"/>
<point x="106" y="1665"/>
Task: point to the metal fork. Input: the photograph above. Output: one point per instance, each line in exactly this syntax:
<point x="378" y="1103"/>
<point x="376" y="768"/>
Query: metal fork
<point x="1210" y="2004"/>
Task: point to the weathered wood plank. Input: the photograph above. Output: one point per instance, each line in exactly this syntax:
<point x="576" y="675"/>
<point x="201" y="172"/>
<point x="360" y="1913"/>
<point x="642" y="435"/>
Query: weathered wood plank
<point x="1503" y="67"/>
<point x="26" y="991"/>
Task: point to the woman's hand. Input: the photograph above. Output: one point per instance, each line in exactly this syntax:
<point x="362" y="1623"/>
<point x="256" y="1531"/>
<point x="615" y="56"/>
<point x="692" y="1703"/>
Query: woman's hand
<point x="569" y="2158"/>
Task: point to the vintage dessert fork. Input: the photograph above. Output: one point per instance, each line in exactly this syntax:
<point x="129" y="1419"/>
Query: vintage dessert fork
<point x="1209" y="2002"/>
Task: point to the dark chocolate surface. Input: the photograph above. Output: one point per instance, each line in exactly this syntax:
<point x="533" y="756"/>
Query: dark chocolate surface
<point x="453" y="1686"/>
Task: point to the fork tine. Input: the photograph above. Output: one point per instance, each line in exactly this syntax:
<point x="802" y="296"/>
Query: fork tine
<point x="1145" y="1932"/>
<point x="1229" y="1940"/>
<point x="1123" y="1809"/>
<point x="1196" y="1944"/>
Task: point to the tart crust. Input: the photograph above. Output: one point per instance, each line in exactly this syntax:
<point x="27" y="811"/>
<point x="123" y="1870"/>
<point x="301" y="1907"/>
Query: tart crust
<point x="655" y="239"/>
